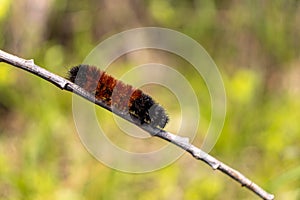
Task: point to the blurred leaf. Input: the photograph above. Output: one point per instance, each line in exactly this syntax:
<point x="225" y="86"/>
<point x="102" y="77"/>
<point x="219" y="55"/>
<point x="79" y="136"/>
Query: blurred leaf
<point x="289" y="176"/>
<point x="162" y="11"/>
<point x="243" y="85"/>
<point x="54" y="56"/>
<point x="4" y="8"/>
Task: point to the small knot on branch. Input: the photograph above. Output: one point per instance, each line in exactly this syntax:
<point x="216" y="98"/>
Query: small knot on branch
<point x="30" y="62"/>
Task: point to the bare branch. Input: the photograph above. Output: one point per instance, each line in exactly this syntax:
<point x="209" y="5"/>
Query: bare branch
<point x="181" y="142"/>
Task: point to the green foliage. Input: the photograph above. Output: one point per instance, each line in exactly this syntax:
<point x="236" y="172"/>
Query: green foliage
<point x="256" y="47"/>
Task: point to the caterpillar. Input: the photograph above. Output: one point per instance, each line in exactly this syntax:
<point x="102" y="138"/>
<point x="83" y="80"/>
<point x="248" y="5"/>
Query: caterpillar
<point x="118" y="95"/>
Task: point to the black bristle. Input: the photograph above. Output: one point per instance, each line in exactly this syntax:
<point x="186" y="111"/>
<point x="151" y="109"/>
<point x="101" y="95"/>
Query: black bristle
<point x="73" y="73"/>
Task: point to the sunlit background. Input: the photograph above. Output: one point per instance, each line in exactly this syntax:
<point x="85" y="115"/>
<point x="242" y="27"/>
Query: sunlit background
<point x="256" y="46"/>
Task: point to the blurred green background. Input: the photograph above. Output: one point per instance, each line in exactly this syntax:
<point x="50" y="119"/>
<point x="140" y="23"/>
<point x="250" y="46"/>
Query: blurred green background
<point x="256" y="46"/>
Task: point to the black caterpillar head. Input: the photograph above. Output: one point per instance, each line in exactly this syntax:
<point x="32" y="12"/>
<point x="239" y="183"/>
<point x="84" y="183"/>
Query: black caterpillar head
<point x="145" y="110"/>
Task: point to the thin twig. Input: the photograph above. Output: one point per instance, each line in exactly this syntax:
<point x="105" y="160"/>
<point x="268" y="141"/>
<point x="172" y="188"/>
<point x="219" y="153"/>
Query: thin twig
<point x="181" y="142"/>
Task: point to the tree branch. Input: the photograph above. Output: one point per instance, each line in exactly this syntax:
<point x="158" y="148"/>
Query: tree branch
<point x="181" y="142"/>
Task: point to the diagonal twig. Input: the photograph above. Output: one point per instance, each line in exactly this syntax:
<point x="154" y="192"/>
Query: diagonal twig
<point x="181" y="142"/>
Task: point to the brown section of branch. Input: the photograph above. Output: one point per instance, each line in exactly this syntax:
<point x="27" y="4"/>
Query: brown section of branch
<point x="181" y="142"/>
